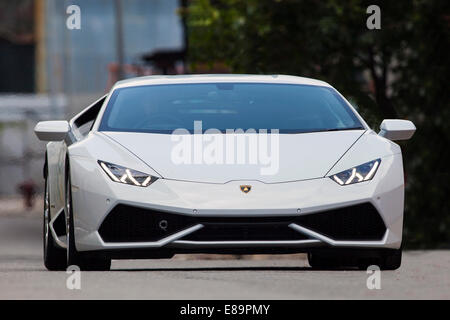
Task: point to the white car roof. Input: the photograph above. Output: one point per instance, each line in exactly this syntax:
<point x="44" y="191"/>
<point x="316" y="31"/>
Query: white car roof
<point x="208" y="78"/>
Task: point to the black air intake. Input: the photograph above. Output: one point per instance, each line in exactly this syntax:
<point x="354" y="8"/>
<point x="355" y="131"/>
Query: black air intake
<point x="132" y="224"/>
<point x="254" y="231"/>
<point x="358" y="222"/>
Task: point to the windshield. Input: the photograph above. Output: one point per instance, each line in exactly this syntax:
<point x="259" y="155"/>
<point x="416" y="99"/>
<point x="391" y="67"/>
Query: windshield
<point x="228" y="106"/>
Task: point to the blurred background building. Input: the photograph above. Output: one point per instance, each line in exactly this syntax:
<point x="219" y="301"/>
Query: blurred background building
<point x="51" y="72"/>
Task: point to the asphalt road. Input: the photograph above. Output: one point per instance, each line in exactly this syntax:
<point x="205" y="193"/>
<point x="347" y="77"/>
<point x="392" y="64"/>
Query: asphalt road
<point x="423" y="275"/>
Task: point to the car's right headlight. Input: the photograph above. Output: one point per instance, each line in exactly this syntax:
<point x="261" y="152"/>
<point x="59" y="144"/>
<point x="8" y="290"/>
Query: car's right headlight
<point x="363" y="172"/>
<point x="127" y="176"/>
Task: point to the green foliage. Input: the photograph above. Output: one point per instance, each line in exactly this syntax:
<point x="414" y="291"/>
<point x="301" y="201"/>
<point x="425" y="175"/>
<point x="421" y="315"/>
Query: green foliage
<point x="400" y="71"/>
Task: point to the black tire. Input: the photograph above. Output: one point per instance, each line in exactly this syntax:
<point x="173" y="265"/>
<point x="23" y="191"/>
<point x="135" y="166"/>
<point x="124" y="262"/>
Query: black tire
<point x="387" y="259"/>
<point x="392" y="259"/>
<point x="84" y="261"/>
<point x="54" y="256"/>
<point x="322" y="262"/>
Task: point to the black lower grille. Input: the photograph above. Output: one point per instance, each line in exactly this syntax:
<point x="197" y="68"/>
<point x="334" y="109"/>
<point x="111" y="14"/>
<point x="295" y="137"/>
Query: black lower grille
<point x="245" y="232"/>
<point x="358" y="222"/>
<point x="132" y="224"/>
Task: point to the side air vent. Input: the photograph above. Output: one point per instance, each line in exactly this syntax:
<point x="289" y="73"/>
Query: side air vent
<point x="132" y="224"/>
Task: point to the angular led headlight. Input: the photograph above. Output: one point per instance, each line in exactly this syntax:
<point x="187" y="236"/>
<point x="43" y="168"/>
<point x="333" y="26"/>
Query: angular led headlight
<point x="128" y="176"/>
<point x="363" y="172"/>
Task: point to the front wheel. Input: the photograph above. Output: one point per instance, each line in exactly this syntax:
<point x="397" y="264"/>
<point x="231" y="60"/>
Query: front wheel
<point x="386" y="259"/>
<point x="323" y="262"/>
<point x="83" y="260"/>
<point x="392" y="259"/>
<point x="54" y="256"/>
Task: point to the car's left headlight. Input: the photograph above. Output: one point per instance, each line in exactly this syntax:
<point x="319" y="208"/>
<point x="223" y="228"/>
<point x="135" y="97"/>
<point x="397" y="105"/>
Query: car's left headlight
<point x="363" y="172"/>
<point x="127" y="176"/>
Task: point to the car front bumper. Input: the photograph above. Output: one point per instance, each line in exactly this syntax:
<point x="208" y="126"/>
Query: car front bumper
<point x="204" y="205"/>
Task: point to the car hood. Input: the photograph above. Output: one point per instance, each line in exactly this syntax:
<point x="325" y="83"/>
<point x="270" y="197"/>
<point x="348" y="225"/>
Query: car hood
<point x="300" y="156"/>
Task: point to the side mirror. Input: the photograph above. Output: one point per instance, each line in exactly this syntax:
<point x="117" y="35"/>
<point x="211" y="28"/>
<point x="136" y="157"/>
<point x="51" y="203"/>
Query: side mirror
<point x="52" y="130"/>
<point x="394" y="129"/>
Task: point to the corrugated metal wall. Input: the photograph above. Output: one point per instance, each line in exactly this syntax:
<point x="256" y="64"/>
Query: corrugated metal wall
<point x="77" y="60"/>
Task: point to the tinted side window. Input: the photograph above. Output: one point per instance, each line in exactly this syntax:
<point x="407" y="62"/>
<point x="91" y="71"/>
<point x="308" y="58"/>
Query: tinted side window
<point x="85" y="121"/>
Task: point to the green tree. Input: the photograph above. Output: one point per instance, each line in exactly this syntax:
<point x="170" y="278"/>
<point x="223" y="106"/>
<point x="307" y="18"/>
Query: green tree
<point x="399" y="71"/>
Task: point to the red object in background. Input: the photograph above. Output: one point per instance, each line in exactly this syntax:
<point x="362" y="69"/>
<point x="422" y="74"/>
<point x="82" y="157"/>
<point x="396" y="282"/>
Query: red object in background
<point x="28" y="190"/>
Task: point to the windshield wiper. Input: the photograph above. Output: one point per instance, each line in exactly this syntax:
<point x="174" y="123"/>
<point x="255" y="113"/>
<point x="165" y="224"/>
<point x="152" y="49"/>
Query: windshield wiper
<point x="342" y="129"/>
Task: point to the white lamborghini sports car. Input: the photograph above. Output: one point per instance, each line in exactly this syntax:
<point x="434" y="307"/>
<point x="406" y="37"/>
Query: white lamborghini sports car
<point x="153" y="168"/>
